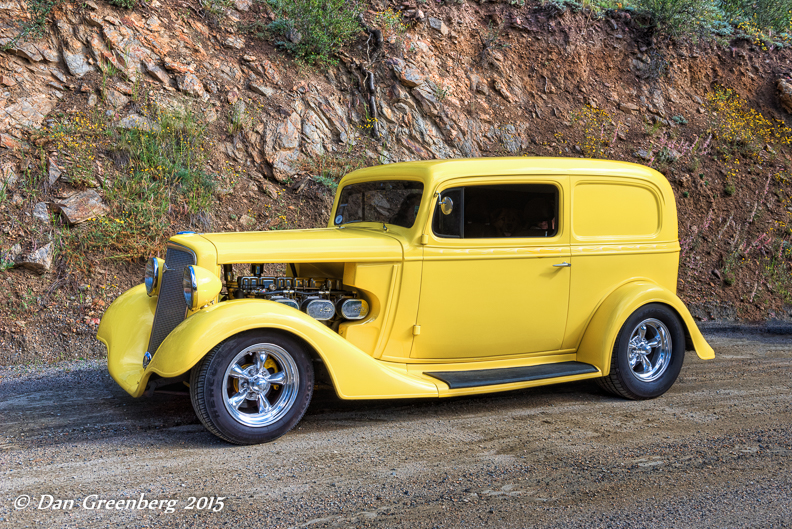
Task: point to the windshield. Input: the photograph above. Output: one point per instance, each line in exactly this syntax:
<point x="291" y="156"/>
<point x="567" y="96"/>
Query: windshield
<point x="386" y="201"/>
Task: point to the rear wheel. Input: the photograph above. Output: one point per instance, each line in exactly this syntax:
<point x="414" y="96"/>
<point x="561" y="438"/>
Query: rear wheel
<point x="252" y="388"/>
<point x="647" y="355"/>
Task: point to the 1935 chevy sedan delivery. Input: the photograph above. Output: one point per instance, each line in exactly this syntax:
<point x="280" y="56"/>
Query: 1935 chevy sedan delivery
<point x="433" y="279"/>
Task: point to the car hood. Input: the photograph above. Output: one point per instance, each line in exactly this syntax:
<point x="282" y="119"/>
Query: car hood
<point x="304" y="246"/>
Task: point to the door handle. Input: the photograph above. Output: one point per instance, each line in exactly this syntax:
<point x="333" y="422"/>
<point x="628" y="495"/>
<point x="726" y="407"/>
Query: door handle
<point x="562" y="265"/>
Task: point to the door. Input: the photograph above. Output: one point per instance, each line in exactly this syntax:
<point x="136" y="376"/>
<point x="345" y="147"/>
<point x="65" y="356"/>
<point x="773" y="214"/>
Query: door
<point x="496" y="275"/>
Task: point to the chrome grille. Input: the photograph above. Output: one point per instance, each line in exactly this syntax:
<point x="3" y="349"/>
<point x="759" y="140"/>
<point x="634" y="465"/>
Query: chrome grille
<point x="171" y="307"/>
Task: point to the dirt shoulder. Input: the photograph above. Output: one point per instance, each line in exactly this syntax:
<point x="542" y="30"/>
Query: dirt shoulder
<point x="715" y="451"/>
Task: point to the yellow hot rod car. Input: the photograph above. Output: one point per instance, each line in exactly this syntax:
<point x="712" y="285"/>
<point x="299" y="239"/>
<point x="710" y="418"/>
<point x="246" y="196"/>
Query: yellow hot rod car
<point x="433" y="279"/>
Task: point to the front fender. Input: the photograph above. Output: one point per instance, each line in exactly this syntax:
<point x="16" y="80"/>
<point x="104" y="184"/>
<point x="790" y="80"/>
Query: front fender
<point x="355" y="374"/>
<point x="125" y="330"/>
<point x="596" y="347"/>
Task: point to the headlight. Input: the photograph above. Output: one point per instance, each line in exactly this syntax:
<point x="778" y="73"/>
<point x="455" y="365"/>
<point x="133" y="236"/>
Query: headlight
<point x="153" y="274"/>
<point x="200" y="286"/>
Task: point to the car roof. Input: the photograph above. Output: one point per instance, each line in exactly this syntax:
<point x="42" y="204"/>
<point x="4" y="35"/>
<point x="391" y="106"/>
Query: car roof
<point x="433" y="172"/>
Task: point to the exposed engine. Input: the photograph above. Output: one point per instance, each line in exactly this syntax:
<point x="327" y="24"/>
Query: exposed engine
<point x="321" y="298"/>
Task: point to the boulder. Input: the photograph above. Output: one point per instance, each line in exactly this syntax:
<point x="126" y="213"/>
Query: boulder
<point x="262" y="89"/>
<point x="268" y="71"/>
<point x="178" y="67"/>
<point x="407" y="76"/>
<point x="425" y="94"/>
<point x="27" y="113"/>
<point x="8" y="176"/>
<point x="280" y="145"/>
<point x="24" y="49"/>
<point x="315" y="132"/>
<point x="438" y="25"/>
<point x="41" y="212"/>
<point x="77" y="63"/>
<point x="57" y="74"/>
<point x="784" y="87"/>
<point x="500" y="87"/>
<point x="234" y="42"/>
<point x="190" y="84"/>
<point x="115" y="98"/>
<point x="268" y="188"/>
<point x="125" y="88"/>
<point x="54" y="172"/>
<point x="247" y="221"/>
<point x="156" y="72"/>
<point x="9" y="142"/>
<point x="40" y="261"/>
<point x="629" y="108"/>
<point x="11" y="254"/>
<point x="82" y="206"/>
<point x="133" y="121"/>
<point x="333" y="114"/>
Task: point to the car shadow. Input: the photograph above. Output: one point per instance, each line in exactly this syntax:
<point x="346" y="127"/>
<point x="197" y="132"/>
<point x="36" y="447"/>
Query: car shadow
<point x="85" y="405"/>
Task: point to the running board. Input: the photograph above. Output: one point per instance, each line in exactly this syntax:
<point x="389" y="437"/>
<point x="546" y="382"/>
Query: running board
<point x="493" y="377"/>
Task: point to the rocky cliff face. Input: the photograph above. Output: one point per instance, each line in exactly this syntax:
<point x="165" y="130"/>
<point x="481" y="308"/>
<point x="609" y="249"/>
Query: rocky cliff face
<point x="466" y="80"/>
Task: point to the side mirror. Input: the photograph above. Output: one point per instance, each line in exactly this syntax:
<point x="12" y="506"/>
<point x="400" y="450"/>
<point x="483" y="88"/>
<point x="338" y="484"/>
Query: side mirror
<point x="447" y="206"/>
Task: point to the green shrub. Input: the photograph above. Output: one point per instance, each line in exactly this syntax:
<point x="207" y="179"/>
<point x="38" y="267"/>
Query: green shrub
<point x="126" y="4"/>
<point x="764" y="15"/>
<point x="328" y="168"/>
<point x="738" y="128"/>
<point x="161" y="178"/>
<point x="326" y="181"/>
<point x="315" y="30"/>
<point x="173" y="153"/>
<point x="680" y="17"/>
<point x="216" y="8"/>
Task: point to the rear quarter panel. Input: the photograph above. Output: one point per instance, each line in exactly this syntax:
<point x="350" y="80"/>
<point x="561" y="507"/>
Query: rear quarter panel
<point x="622" y="230"/>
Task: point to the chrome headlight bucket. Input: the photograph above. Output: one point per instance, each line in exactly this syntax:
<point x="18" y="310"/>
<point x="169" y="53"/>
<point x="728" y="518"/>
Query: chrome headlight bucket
<point x="190" y="287"/>
<point x="318" y="309"/>
<point x="200" y="287"/>
<point x="352" y="308"/>
<point x="153" y="274"/>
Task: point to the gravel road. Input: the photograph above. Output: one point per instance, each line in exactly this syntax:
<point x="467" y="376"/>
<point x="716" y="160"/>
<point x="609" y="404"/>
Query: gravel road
<point x="716" y="451"/>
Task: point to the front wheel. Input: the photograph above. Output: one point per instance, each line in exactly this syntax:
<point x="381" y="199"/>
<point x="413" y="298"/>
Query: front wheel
<point x="252" y="388"/>
<point x="647" y="355"/>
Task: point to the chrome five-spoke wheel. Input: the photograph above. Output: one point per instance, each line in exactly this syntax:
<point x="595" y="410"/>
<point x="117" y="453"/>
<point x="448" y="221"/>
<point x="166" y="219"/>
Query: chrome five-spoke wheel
<point x="647" y="355"/>
<point x="253" y="387"/>
<point x="649" y="350"/>
<point x="260" y="385"/>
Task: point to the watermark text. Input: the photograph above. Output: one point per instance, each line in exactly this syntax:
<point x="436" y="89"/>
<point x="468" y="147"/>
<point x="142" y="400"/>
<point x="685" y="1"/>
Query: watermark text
<point x="94" y="502"/>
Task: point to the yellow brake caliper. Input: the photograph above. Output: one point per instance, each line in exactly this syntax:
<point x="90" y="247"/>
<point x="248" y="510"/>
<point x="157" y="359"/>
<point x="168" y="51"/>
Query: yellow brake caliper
<point x="269" y="364"/>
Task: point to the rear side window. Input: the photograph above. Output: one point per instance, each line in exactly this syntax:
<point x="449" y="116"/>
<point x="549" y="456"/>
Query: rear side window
<point x="614" y="210"/>
<point x="497" y="211"/>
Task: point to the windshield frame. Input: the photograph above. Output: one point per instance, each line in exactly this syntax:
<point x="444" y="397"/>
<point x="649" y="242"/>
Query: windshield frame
<point x="370" y="223"/>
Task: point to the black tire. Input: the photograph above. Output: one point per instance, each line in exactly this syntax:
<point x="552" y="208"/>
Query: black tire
<point x="216" y="386"/>
<point x="633" y="381"/>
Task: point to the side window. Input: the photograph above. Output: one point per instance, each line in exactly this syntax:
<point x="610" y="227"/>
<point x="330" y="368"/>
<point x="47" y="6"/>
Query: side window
<point x="498" y="211"/>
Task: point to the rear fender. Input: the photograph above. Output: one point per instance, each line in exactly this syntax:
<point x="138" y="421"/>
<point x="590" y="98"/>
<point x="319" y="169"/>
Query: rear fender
<point x="596" y="347"/>
<point x="355" y="374"/>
